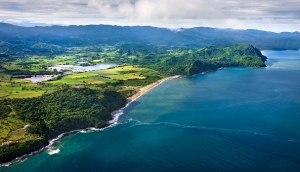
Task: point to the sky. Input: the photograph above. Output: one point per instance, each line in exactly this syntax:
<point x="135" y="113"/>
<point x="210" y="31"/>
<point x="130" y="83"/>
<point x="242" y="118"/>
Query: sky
<point x="269" y="15"/>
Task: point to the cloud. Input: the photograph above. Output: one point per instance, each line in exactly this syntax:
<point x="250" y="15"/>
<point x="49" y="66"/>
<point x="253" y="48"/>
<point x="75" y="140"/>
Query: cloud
<point x="280" y="15"/>
<point x="156" y="9"/>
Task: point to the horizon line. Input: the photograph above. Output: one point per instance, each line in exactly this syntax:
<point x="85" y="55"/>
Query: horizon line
<point x="31" y="25"/>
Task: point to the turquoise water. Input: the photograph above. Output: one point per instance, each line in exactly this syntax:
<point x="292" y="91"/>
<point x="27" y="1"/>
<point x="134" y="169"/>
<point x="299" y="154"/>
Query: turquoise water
<point x="233" y="119"/>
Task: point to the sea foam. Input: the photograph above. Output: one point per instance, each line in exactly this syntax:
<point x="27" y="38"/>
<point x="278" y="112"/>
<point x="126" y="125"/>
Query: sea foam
<point x="54" y="151"/>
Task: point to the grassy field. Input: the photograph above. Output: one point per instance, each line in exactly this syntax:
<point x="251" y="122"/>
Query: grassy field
<point x="21" y="88"/>
<point x="11" y="87"/>
<point x="98" y="61"/>
<point x="12" y="129"/>
<point x="100" y="76"/>
<point x="123" y="73"/>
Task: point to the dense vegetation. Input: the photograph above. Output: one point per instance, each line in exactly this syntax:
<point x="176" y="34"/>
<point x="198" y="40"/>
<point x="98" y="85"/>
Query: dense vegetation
<point x="55" y="39"/>
<point x="8" y="153"/>
<point x="4" y="110"/>
<point x="66" y="109"/>
<point x="61" y="111"/>
<point x="193" y="61"/>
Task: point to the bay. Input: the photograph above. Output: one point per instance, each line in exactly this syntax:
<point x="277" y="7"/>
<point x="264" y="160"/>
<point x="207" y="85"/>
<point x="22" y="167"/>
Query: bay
<point x="232" y="119"/>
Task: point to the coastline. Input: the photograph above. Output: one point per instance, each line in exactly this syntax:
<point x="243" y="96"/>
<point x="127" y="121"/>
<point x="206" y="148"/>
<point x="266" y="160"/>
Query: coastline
<point x="115" y="116"/>
<point x="117" y="113"/>
<point x="145" y="89"/>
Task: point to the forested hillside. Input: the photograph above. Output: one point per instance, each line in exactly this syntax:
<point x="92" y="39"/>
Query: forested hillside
<point x="53" y="40"/>
<point x="62" y="111"/>
<point x="192" y="61"/>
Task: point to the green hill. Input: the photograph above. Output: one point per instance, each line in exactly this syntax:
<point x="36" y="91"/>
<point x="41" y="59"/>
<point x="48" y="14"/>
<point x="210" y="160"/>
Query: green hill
<point x="52" y="114"/>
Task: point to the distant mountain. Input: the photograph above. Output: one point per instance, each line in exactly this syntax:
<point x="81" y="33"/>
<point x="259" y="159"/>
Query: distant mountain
<point x="57" y="37"/>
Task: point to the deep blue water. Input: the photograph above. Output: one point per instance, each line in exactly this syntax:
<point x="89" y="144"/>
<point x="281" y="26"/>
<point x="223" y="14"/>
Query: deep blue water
<point x="233" y="119"/>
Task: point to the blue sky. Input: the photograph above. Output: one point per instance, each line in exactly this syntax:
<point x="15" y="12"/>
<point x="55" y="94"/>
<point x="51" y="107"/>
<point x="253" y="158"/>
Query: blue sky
<point x="267" y="15"/>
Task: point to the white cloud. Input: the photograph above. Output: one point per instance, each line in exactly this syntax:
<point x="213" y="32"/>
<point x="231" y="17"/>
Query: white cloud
<point x="238" y="24"/>
<point x="280" y="15"/>
<point x="156" y="9"/>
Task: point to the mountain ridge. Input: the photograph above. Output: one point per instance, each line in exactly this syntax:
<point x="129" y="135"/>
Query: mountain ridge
<point x="87" y="35"/>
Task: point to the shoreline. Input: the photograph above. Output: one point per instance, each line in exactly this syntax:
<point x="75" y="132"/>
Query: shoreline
<point x="50" y="144"/>
<point x="147" y="88"/>
<point x="42" y="148"/>
<point x="117" y="113"/>
<point x="109" y="123"/>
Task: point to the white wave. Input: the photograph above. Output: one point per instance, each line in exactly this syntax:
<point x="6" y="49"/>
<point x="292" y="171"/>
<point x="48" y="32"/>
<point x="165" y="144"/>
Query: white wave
<point x="96" y="129"/>
<point x="51" y="142"/>
<point x="5" y="164"/>
<point x="84" y="131"/>
<point x="54" y="151"/>
<point x="116" y="116"/>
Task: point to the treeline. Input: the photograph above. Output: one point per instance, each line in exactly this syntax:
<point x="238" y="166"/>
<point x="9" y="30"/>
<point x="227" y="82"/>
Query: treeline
<point x="27" y="73"/>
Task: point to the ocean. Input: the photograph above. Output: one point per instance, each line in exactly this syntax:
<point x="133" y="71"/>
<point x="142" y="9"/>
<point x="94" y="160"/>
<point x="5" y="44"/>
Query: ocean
<point x="232" y="119"/>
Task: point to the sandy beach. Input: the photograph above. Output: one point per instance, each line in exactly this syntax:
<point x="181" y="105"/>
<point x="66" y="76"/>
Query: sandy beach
<point x="140" y="92"/>
<point x="148" y="87"/>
